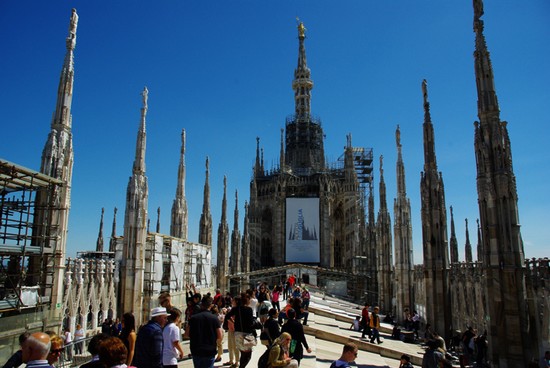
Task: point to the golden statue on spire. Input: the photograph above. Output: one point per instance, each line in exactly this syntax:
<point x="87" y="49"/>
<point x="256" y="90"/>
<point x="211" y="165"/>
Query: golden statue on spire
<point x="301" y="28"/>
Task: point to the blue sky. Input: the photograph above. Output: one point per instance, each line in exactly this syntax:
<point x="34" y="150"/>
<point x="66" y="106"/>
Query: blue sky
<point x="223" y="71"/>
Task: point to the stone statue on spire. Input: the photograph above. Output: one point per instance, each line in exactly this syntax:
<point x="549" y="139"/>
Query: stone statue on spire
<point x="398" y="137"/>
<point x="71" y="39"/>
<point x="425" y="90"/>
<point x="478" y="8"/>
<point x="301" y="29"/>
<point x="145" y="95"/>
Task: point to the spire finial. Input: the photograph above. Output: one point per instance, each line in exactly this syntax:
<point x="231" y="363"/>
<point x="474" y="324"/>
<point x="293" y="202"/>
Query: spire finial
<point x="478" y="8"/>
<point x="381" y="167"/>
<point x="145" y="95"/>
<point x="158" y="221"/>
<point x="71" y="39"/>
<point x="425" y="91"/>
<point x="99" y="244"/>
<point x="398" y="137"/>
<point x="301" y="29"/>
<point x="139" y="162"/>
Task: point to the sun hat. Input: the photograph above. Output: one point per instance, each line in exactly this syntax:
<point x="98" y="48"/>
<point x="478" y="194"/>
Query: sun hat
<point x="159" y="311"/>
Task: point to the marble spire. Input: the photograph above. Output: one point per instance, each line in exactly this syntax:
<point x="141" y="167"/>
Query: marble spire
<point x="179" y="215"/>
<point x="223" y="243"/>
<point x="99" y="243"/>
<point x="453" y="242"/>
<point x="434" y="231"/>
<point x="302" y="83"/>
<point x="245" y="253"/>
<point x="468" y="245"/>
<point x="205" y="224"/>
<point x="157" y="228"/>
<point x="135" y="228"/>
<point x="509" y="330"/>
<point x="112" y="241"/>
<point x="236" y="239"/>
<point x="403" y="245"/>
<point x="384" y="243"/>
<point x="57" y="161"/>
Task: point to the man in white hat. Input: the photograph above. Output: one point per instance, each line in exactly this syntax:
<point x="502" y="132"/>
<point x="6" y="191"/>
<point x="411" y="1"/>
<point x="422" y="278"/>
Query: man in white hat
<point x="149" y="342"/>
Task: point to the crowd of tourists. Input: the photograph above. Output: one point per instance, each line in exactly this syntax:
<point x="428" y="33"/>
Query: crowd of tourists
<point x="255" y="314"/>
<point x="252" y="316"/>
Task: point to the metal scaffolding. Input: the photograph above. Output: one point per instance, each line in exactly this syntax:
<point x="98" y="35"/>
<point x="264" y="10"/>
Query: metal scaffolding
<point x="27" y="249"/>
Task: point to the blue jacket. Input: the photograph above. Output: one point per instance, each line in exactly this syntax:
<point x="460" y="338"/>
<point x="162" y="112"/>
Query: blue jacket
<point x="149" y="344"/>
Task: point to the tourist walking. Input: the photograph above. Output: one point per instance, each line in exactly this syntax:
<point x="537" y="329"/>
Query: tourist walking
<point x="375" y="326"/>
<point x="275" y="297"/>
<point x="220" y="313"/>
<point x="245" y="332"/>
<point x="296" y="330"/>
<point x="229" y="326"/>
<point x="149" y="342"/>
<point x="365" y="321"/>
<point x="171" y="335"/>
<point x="306" y="297"/>
<point x="203" y="331"/>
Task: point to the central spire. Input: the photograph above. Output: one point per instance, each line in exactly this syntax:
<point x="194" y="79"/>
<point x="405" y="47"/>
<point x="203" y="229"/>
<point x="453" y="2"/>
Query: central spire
<point x="302" y="84"/>
<point x="304" y="152"/>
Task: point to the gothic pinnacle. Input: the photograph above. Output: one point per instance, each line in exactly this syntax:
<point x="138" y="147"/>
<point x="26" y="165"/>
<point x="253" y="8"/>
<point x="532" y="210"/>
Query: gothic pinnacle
<point x="62" y="117"/>
<point x="453" y="241"/>
<point x="139" y="162"/>
<point x="400" y="167"/>
<point x="224" y="200"/>
<point x="112" y="243"/>
<point x="468" y="246"/>
<point x="99" y="244"/>
<point x="178" y="223"/>
<point x="430" y="161"/>
<point x="158" y="221"/>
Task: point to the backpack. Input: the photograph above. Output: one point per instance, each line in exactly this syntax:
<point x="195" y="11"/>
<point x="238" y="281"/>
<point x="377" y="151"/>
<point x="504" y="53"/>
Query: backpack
<point x="263" y="362"/>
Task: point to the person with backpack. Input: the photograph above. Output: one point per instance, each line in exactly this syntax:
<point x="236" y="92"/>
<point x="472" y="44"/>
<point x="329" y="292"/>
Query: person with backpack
<point x="375" y="326"/>
<point x="279" y="355"/>
<point x="349" y="353"/>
